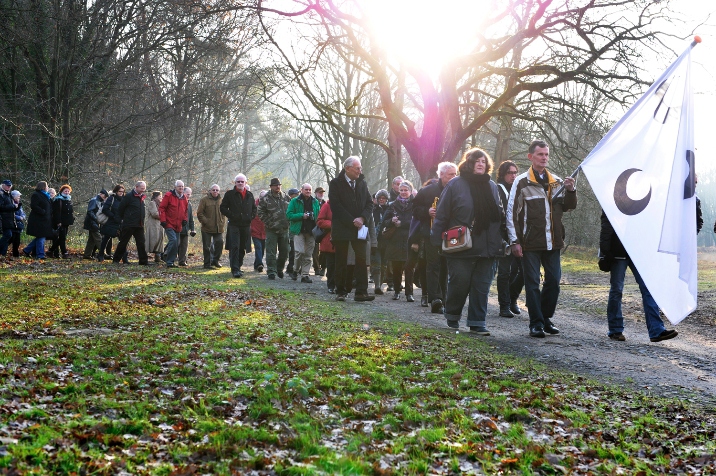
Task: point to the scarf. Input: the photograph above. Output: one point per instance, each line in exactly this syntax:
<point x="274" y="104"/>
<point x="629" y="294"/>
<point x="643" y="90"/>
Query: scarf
<point x="404" y="200"/>
<point x="62" y="197"/>
<point x="486" y="209"/>
<point x="47" y="194"/>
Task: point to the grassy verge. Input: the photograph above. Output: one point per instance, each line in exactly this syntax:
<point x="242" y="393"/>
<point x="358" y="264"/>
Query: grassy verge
<point x="105" y="369"/>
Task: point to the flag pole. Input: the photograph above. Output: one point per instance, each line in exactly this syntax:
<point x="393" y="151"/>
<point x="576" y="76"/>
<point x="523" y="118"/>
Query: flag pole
<point x="575" y="174"/>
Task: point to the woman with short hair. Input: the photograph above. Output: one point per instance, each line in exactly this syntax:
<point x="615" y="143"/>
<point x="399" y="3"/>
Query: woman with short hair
<point x="396" y="222"/>
<point x="63" y="217"/>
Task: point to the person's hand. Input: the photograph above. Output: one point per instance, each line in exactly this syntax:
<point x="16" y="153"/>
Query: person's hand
<point x="517" y="250"/>
<point x="397" y="222"/>
<point x="431" y="212"/>
<point x="358" y="222"/>
<point x="395" y="219"/>
<point x="184" y="222"/>
<point x="163" y="224"/>
<point x="192" y="233"/>
<point x="570" y="184"/>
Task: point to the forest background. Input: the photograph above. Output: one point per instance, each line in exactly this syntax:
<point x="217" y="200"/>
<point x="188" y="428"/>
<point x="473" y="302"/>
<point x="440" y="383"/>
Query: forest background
<point x="94" y="93"/>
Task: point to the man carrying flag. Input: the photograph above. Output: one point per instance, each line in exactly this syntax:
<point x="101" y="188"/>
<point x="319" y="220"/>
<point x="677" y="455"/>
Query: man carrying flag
<point x="534" y="224"/>
<point x="643" y="174"/>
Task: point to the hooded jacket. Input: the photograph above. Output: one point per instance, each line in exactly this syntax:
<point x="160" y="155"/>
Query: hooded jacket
<point x="534" y="215"/>
<point x="173" y="210"/>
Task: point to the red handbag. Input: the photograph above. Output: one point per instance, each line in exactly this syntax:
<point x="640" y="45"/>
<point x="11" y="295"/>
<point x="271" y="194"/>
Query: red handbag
<point x="457" y="238"/>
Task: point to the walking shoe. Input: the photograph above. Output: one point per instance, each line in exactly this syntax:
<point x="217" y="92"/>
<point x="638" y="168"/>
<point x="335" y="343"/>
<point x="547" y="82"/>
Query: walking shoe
<point x="617" y="336"/>
<point x="322" y="272"/>
<point x="87" y="257"/>
<point x="280" y="274"/>
<point x="341" y="297"/>
<point x="550" y="329"/>
<point x="272" y="277"/>
<point x="409" y="298"/>
<point x="182" y="264"/>
<point x="306" y="279"/>
<point x="505" y="312"/>
<point x="168" y="266"/>
<point x="665" y="335"/>
<point x="514" y="308"/>
<point x="260" y="268"/>
<point x="423" y="301"/>
<point x="65" y="256"/>
<point x="396" y="296"/>
<point x="370" y="281"/>
<point x="537" y="332"/>
<point x="294" y="276"/>
<point x="363" y="297"/>
<point x="208" y="266"/>
<point x="436" y="307"/>
<point x="26" y="254"/>
<point x="331" y="291"/>
<point x="238" y="274"/>
<point x="481" y="331"/>
<point x="216" y="265"/>
<point x="453" y="324"/>
<point x="157" y="259"/>
<point x="379" y="291"/>
<point x="390" y="288"/>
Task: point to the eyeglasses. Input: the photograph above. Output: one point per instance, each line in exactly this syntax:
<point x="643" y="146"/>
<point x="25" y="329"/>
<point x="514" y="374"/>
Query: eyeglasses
<point x="512" y="172"/>
<point x="240" y="181"/>
<point x="120" y="191"/>
<point x="214" y="190"/>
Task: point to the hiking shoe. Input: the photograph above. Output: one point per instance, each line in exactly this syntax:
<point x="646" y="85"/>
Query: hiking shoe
<point x="341" y="297"/>
<point x="260" y="268"/>
<point x="514" y="308"/>
<point x="505" y="312"/>
<point x="294" y="276"/>
<point x="280" y="274"/>
<point x="436" y="307"/>
<point x="423" y="301"/>
<point x="363" y="297"/>
<point x="481" y="331"/>
<point x="379" y="291"/>
<point x="208" y="266"/>
<point x="272" y="277"/>
<point x="537" y="332"/>
<point x="666" y="335"/>
<point x="216" y="265"/>
<point x="306" y="279"/>
<point x="409" y="298"/>
<point x="453" y="324"/>
<point x="617" y="336"/>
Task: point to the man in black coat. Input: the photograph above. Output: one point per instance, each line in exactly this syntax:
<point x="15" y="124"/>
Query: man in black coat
<point x="239" y="206"/>
<point x="351" y="205"/>
<point x="132" y="212"/>
<point x="94" y="238"/>
<point x="424" y="211"/>
<point x="39" y="223"/>
<point x="7" y="215"/>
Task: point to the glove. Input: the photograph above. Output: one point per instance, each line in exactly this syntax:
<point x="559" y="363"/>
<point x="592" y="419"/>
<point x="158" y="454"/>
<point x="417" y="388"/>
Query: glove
<point x="184" y="222"/>
<point x="192" y="233"/>
<point x="163" y="224"/>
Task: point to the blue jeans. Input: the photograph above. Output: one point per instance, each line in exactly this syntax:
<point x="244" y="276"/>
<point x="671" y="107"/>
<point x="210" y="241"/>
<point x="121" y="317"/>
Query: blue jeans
<point x="5" y="241"/>
<point x="172" y="248"/>
<point x="541" y="304"/>
<point x="468" y="277"/>
<point x="259" y="246"/>
<point x="36" y="246"/>
<point x="654" y="324"/>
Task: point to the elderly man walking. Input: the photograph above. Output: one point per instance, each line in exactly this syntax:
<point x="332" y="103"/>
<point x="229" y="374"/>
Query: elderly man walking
<point x="351" y="205"/>
<point x="212" y="227"/>
<point x="302" y="213"/>
<point x="132" y="212"/>
<point x="173" y="217"/>
<point x="239" y="206"/>
<point x="272" y="211"/>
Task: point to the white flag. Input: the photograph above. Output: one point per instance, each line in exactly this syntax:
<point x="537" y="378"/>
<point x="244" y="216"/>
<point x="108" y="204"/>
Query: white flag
<point x="642" y="173"/>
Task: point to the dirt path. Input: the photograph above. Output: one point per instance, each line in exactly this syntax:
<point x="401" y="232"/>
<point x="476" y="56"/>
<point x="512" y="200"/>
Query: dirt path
<point x="683" y="367"/>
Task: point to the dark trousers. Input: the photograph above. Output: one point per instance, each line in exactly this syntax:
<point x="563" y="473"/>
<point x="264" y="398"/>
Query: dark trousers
<point x="105" y="245"/>
<point x="60" y="243"/>
<point x="15" y="242"/>
<point x="259" y="245"/>
<point x="124" y="236"/>
<point x="213" y="246"/>
<point x="409" y="268"/>
<point x="435" y="273"/>
<point x="330" y="269"/>
<point x="240" y="238"/>
<point x="183" y="248"/>
<point x="318" y="263"/>
<point x="291" y="254"/>
<point x="541" y="304"/>
<point x="361" y="266"/>
<point x="509" y="280"/>
<point x="5" y="240"/>
<point x="468" y="277"/>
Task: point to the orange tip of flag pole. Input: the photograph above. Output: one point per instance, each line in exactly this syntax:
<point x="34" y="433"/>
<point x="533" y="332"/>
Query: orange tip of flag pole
<point x="697" y="40"/>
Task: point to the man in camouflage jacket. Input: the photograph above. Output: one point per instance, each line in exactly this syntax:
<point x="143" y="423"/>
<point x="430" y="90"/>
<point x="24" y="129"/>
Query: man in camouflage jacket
<point x="272" y="211"/>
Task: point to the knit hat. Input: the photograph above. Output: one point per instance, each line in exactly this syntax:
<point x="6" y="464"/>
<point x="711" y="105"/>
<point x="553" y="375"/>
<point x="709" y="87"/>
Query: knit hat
<point x="104" y="192"/>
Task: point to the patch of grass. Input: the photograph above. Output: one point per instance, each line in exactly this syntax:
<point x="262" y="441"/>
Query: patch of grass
<point x="197" y="373"/>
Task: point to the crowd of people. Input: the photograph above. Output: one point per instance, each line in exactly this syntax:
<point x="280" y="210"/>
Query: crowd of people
<point x="450" y="238"/>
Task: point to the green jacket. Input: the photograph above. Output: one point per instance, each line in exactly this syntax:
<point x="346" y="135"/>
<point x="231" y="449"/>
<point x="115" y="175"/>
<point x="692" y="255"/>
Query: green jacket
<point x="295" y="213"/>
<point x="272" y="211"/>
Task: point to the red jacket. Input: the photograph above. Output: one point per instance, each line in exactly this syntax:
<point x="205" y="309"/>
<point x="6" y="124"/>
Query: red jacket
<point x="173" y="210"/>
<point x="258" y="229"/>
<point x="324" y="221"/>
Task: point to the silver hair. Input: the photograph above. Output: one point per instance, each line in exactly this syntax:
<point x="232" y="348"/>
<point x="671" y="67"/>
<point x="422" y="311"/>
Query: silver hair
<point x="304" y="186"/>
<point x="240" y="175"/>
<point x="443" y="166"/>
<point x="140" y="182"/>
<point x="262" y="193"/>
<point x="350" y="161"/>
<point x="187" y="190"/>
<point x="215" y="185"/>
<point x="398" y="178"/>
<point x="178" y="182"/>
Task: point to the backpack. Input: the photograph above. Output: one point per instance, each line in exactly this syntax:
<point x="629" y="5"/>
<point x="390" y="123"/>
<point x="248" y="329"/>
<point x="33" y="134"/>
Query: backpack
<point x="101" y="217"/>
